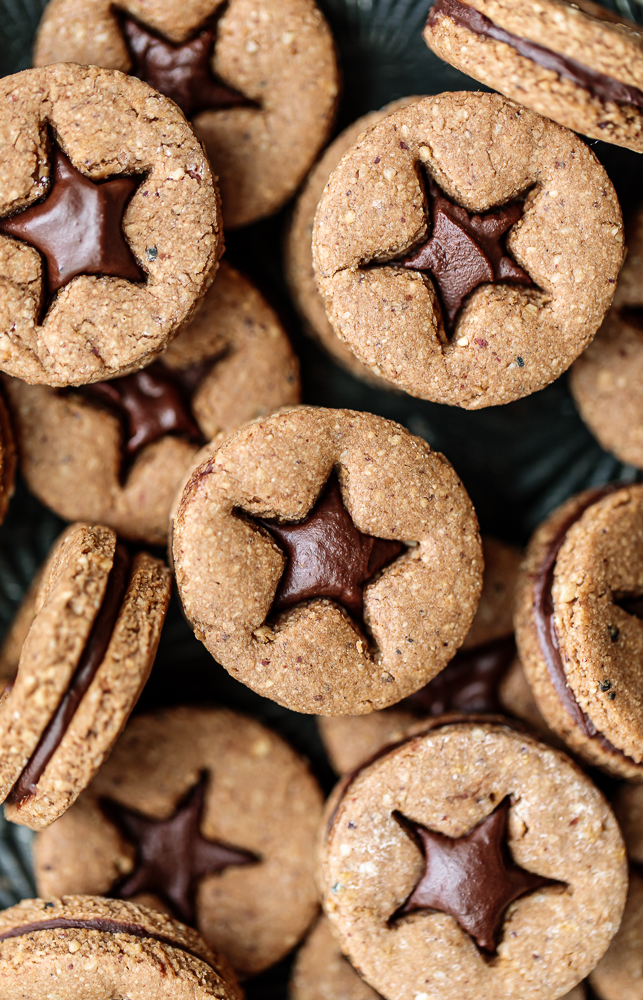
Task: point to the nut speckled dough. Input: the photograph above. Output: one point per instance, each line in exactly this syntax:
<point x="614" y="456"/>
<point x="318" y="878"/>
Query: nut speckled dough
<point x="261" y="798"/>
<point x="350" y="740"/>
<point x="483" y="151"/>
<point x="298" y="261"/>
<point x="278" y="53"/>
<point x="600" y="561"/>
<point x="72" y="450"/>
<point x="99" y="963"/>
<point x="449" y="780"/>
<point x="591" y="35"/>
<point x="321" y="972"/>
<point x="108" y="124"/>
<point x="314" y="657"/>
<point x="70" y="594"/>
<point x="607" y="380"/>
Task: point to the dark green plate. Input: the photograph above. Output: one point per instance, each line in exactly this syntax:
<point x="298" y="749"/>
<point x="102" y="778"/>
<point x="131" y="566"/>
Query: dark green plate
<point x="517" y="461"/>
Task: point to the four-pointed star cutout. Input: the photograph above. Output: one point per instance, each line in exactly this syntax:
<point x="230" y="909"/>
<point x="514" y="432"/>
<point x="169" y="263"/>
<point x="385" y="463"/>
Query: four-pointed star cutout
<point x="172" y="855"/>
<point x="472" y="878"/>
<point x="78" y="226"/>
<point x="327" y="555"/>
<point x="466" y="250"/>
<point x="181" y="72"/>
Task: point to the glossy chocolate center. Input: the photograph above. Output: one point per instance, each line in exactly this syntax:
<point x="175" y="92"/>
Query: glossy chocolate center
<point x="468" y="683"/>
<point x="604" y="87"/>
<point x="151" y="403"/>
<point x="466" y="250"/>
<point x="472" y="878"/>
<point x="78" y="226"/>
<point x="327" y="555"/>
<point x="91" y="659"/>
<point x="172" y="855"/>
<point x="181" y="72"/>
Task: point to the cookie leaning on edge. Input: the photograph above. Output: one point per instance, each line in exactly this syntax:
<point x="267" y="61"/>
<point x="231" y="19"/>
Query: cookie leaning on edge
<point x="328" y="559"/>
<point x="97" y="621"/>
<point x="493" y="292"/>
<point x="102" y="948"/>
<point x="577" y="63"/>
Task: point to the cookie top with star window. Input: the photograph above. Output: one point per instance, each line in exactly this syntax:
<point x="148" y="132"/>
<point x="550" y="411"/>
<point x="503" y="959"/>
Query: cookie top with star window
<point x="110" y="227"/>
<point x="448" y="861"/>
<point x="467" y="249"/>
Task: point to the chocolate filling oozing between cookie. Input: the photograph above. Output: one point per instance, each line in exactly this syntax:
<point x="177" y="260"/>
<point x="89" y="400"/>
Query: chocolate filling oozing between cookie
<point x="182" y="72"/>
<point x="77" y="227"/>
<point x="172" y="855"/>
<point x="465" y="251"/>
<point x="600" y="85"/>
<point x="104" y="925"/>
<point x="546" y="626"/>
<point x="90" y="660"/>
<point x="328" y="556"/>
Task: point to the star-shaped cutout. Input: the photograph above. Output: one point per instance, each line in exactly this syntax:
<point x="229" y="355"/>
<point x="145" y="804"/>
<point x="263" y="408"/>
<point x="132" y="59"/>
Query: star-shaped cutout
<point x="151" y="403"/>
<point x="181" y="72"/>
<point x="78" y="226"/>
<point x="327" y="555"/>
<point x="468" y="683"/>
<point x="466" y="250"/>
<point x="172" y="855"/>
<point x="472" y="878"/>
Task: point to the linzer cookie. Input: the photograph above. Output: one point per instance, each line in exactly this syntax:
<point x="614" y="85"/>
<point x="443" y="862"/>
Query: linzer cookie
<point x="90" y="151"/>
<point x="97" y="619"/>
<point x="619" y="974"/>
<point x="98" y="949"/>
<point x="298" y="262"/>
<point x="472" y="682"/>
<point x="579" y="626"/>
<point x="579" y="64"/>
<point x="607" y="380"/>
<point x="259" y="82"/>
<point x="328" y="559"/>
<point x="204" y="813"/>
<point x="467" y="249"/>
<point x="116" y="452"/>
<point x="472" y="861"/>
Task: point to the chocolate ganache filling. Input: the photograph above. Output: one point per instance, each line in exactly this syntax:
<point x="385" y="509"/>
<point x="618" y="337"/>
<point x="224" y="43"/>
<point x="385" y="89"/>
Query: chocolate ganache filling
<point x="600" y="85"/>
<point x="546" y="626"/>
<point x="91" y="659"/>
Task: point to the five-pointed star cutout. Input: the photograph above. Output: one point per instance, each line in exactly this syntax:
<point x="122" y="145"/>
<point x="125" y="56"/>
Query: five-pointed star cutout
<point x="171" y="854"/>
<point x="180" y="72"/>
<point x="466" y="250"/>
<point x="78" y="226"/>
<point x="472" y="878"/>
<point x="327" y="555"/>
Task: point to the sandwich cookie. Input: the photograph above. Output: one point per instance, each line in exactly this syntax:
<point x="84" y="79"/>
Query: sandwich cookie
<point x="97" y="619"/>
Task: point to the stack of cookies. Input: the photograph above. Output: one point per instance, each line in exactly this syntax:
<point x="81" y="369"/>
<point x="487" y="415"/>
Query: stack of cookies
<point x="480" y="706"/>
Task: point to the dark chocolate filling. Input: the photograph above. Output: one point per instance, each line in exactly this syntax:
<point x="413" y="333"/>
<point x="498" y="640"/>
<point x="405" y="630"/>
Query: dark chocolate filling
<point x="546" y="627"/>
<point x="605" y="87"/>
<point x="90" y="661"/>
<point x="102" y="924"/>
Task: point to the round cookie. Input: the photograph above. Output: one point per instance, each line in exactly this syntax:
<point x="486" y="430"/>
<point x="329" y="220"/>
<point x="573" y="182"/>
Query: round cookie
<point x="328" y="559"/>
<point x="472" y="861"/>
<point x="207" y="814"/>
<point x="259" y="83"/>
<point x="91" y="150"/>
<point x="579" y="629"/>
<point x="577" y="63"/>
<point x="606" y="380"/>
<point x="298" y="257"/>
<point x="117" y="452"/>
<point x="494" y="305"/>
<point x="102" y="948"/>
<point x="96" y="622"/>
<point x="471" y="682"/>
